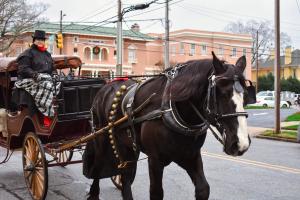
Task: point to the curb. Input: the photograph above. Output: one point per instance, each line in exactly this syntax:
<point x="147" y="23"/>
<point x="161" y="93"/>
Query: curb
<point x="277" y="139"/>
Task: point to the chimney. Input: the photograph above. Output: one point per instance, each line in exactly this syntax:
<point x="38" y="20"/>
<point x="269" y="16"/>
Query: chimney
<point x="288" y="55"/>
<point x="135" y="27"/>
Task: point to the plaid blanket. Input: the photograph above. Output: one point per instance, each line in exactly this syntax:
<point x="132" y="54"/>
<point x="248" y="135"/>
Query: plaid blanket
<point x="42" y="92"/>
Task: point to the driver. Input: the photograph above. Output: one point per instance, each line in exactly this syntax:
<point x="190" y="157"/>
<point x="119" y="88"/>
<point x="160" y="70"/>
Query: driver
<point x="35" y="71"/>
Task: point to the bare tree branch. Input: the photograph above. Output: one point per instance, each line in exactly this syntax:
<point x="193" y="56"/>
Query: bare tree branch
<point x="17" y="16"/>
<point x="265" y="36"/>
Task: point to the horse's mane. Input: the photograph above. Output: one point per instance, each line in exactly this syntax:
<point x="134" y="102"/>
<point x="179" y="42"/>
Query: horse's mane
<point x="191" y="79"/>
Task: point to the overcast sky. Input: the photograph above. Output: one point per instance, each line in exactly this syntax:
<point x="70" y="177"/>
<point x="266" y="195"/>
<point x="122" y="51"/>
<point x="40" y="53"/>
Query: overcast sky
<point x="212" y="15"/>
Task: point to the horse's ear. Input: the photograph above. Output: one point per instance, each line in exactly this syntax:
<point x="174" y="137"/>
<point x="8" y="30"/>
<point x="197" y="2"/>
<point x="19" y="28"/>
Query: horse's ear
<point x="217" y="64"/>
<point x="241" y="64"/>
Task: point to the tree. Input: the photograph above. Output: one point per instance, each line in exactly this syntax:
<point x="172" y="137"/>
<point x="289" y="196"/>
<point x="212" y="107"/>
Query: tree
<point x="266" y="82"/>
<point x="17" y="16"/>
<point x="265" y="35"/>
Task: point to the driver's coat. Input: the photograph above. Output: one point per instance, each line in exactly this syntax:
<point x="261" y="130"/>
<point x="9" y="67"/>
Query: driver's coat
<point x="242" y="132"/>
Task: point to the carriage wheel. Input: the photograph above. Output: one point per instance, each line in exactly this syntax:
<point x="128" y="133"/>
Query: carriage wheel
<point x="117" y="181"/>
<point x="35" y="167"/>
<point x="64" y="157"/>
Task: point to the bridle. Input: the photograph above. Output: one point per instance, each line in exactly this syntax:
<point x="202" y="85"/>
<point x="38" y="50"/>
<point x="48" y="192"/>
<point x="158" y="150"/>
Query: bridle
<point x="212" y="106"/>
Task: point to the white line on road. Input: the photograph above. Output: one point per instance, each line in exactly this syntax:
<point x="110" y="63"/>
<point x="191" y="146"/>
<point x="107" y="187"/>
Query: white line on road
<point x="255" y="114"/>
<point x="253" y="162"/>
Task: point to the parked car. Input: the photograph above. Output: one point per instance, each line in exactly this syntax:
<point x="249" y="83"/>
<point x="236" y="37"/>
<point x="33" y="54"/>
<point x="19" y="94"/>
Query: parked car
<point x="270" y="102"/>
<point x="287" y="96"/>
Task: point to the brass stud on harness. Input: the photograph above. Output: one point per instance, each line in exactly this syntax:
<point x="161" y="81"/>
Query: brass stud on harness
<point x="123" y="88"/>
<point x="112" y="112"/>
<point x="118" y="94"/>
<point x="111" y="118"/>
<point x="114" y="106"/>
<point x="110" y="136"/>
<point x="112" y="141"/>
<point x="110" y="131"/>
<point x="116" y="100"/>
<point x="113" y="147"/>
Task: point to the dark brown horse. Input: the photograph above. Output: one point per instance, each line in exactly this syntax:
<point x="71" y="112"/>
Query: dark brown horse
<point x="185" y="101"/>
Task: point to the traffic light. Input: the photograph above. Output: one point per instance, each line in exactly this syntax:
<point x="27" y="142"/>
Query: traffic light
<point x="59" y="40"/>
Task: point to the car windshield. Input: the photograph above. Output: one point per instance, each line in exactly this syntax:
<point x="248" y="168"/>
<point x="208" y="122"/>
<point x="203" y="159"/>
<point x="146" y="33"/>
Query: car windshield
<point x="260" y="94"/>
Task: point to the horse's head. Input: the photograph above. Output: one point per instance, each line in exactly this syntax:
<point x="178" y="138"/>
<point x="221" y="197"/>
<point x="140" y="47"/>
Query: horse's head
<point x="226" y="100"/>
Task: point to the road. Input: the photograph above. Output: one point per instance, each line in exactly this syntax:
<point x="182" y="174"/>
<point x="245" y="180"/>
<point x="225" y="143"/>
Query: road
<point x="270" y="170"/>
<point x="266" y="117"/>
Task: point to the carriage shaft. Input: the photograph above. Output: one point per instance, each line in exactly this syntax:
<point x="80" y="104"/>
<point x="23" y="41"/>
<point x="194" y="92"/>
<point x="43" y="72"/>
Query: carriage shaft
<point x="91" y="136"/>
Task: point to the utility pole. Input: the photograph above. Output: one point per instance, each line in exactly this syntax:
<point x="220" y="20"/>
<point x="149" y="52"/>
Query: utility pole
<point x="256" y="61"/>
<point x="60" y="28"/>
<point x="167" y="36"/>
<point x="119" y="40"/>
<point x="277" y="66"/>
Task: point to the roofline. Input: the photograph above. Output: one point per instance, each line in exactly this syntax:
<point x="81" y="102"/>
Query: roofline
<point x="109" y="36"/>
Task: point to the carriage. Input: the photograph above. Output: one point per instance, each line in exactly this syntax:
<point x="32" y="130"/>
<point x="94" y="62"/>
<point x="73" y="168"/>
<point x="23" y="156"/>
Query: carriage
<point x="35" y="134"/>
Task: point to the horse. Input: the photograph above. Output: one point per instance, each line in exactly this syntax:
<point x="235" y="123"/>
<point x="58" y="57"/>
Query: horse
<point x="178" y="108"/>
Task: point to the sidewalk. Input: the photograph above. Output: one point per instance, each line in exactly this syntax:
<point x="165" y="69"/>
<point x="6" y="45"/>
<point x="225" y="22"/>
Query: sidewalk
<point x="254" y="131"/>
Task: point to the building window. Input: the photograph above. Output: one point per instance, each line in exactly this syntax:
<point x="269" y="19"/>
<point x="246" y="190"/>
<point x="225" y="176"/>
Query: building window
<point x="50" y="48"/>
<point x="233" y="52"/>
<point x="75" y="50"/>
<point x="181" y="48"/>
<point x="87" y="53"/>
<point x="244" y="52"/>
<point x="173" y="50"/>
<point x="221" y="51"/>
<point x="131" y="55"/>
<point x="76" y="39"/>
<point x="115" y="54"/>
<point x="204" y="49"/>
<point x="192" y="50"/>
<point x="104" y="54"/>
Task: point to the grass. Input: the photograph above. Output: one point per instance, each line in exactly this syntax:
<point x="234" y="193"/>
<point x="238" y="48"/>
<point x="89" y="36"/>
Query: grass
<point x="256" y="107"/>
<point x="283" y="134"/>
<point x="293" y="117"/>
<point x="293" y="127"/>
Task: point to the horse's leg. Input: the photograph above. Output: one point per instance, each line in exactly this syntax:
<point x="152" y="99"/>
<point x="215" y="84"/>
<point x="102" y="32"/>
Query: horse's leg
<point x="94" y="190"/>
<point x="194" y="168"/>
<point x="126" y="184"/>
<point x="156" y="169"/>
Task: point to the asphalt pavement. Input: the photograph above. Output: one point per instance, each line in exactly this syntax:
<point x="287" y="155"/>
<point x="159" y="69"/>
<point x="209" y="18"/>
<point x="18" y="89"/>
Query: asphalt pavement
<point x="266" y="117"/>
<point x="270" y="170"/>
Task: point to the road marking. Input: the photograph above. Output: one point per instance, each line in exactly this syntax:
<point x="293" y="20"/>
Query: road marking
<point x="253" y="162"/>
<point x="256" y="114"/>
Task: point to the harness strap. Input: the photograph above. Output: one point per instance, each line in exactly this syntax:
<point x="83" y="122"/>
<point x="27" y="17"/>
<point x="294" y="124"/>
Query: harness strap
<point x="206" y="122"/>
<point x="155" y="114"/>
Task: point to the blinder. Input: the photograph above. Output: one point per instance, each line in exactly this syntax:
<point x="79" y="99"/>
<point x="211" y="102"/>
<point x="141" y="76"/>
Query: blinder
<point x="250" y="94"/>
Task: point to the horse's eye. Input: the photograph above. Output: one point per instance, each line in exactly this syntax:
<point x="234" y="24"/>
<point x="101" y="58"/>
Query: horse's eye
<point x="225" y="84"/>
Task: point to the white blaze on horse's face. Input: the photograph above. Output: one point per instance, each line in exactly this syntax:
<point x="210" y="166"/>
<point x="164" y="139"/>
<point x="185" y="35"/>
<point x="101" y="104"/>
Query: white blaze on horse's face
<point x="242" y="132"/>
